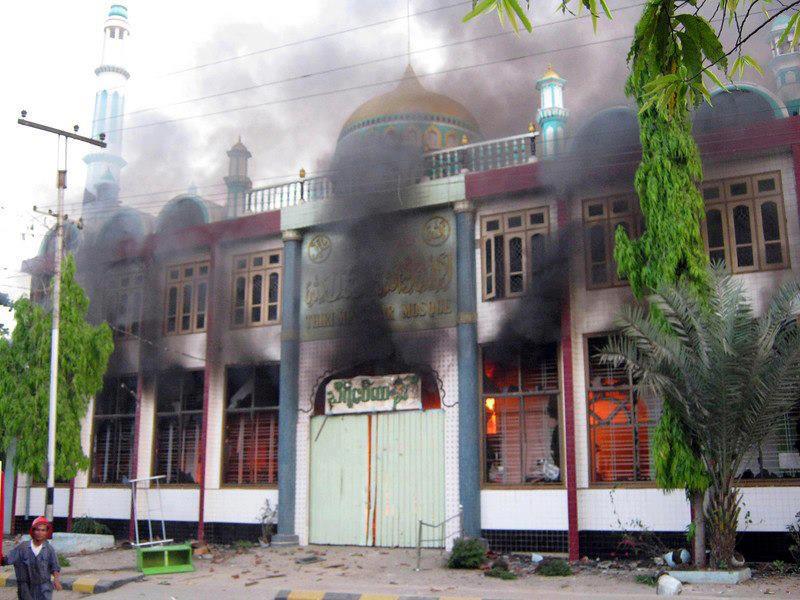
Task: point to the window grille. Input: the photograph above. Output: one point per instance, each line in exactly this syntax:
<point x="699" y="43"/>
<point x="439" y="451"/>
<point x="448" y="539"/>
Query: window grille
<point x="521" y="416"/>
<point x="250" y="450"/>
<point x="621" y="422"/>
<point x="179" y="416"/>
<point x="113" y="430"/>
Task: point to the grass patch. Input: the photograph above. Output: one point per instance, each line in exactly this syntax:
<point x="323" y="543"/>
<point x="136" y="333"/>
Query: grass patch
<point x="649" y="580"/>
<point x="63" y="561"/>
<point x="554" y="568"/>
<point x="467" y="554"/>
<point x="243" y="544"/>
<point x="499" y="573"/>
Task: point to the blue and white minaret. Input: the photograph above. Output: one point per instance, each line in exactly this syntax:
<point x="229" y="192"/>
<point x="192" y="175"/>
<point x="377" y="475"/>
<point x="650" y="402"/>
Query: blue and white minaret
<point x="102" y="181"/>
<point x="785" y="65"/>
<point x="552" y="116"/>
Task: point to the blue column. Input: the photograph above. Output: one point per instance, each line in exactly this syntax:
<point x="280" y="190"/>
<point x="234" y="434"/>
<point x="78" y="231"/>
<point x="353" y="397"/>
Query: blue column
<point x="468" y="405"/>
<point x="288" y="402"/>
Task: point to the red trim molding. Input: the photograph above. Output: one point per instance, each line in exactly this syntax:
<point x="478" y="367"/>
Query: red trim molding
<point x="569" y="408"/>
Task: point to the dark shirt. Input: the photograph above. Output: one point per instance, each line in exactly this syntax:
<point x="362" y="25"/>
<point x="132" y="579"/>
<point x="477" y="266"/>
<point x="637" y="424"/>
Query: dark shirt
<point x="33" y="572"/>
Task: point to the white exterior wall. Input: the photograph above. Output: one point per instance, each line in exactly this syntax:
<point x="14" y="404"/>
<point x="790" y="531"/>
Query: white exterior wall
<point x="593" y="311"/>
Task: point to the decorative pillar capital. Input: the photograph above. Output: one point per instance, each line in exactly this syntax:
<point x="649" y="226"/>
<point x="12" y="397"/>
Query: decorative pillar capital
<point x="460" y="206"/>
<point x="292" y="235"/>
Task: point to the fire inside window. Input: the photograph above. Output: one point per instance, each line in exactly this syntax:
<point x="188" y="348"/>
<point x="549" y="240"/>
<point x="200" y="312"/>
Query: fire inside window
<point x="250" y="450"/>
<point x="521" y="416"/>
<point x="511" y="245"/>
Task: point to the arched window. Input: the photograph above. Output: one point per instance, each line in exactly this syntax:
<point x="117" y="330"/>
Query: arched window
<point x="433" y="138"/>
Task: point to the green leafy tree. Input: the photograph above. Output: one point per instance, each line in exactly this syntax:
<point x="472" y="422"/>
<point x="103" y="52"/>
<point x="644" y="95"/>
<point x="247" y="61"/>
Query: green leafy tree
<point x="25" y="374"/>
<point x="727" y="374"/>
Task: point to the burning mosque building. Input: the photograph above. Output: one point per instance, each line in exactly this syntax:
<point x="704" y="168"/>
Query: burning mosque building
<point x="412" y="337"/>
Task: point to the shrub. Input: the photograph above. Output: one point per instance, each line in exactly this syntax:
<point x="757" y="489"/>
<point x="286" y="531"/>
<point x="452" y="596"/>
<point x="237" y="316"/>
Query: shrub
<point x="89" y="525"/>
<point x="243" y="544"/>
<point x="500" y="573"/>
<point x="650" y="580"/>
<point x="63" y="561"/>
<point x="468" y="553"/>
<point x="794" y="534"/>
<point x="554" y="568"/>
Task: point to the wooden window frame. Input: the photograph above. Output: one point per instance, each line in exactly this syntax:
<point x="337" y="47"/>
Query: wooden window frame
<point x="754" y="200"/>
<point x="557" y="393"/>
<point x="525" y="231"/>
<point x="610" y="219"/>
<point x="193" y="282"/>
<point x="273" y="410"/>
<point x="118" y="381"/>
<point x="181" y="414"/>
<point x="252" y="269"/>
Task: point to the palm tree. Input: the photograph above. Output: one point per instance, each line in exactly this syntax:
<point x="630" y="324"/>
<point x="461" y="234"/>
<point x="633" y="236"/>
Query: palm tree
<point x="726" y="373"/>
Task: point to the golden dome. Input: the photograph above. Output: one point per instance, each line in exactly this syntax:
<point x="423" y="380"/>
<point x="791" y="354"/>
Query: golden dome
<point x="550" y="73"/>
<point x="411" y="97"/>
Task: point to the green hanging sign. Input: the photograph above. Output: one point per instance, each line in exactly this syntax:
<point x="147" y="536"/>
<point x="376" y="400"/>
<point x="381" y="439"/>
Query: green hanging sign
<point x="373" y="394"/>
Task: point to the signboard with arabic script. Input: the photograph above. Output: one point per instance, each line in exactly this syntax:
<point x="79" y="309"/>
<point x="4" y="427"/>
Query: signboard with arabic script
<point x="373" y="394"/>
<point x="415" y="288"/>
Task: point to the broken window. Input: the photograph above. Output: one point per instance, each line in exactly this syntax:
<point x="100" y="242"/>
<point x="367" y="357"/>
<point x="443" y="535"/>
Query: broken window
<point x="179" y="419"/>
<point x="113" y="430"/>
<point x="250" y="449"/>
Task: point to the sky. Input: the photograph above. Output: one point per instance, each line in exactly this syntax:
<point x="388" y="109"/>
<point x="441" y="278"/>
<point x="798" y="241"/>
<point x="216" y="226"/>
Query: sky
<point x="282" y="75"/>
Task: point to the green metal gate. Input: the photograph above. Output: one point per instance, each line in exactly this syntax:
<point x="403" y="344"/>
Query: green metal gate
<point x="373" y="477"/>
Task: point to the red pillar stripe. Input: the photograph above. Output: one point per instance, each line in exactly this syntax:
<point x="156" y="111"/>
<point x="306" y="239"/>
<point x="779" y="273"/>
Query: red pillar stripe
<point x="71" y="504"/>
<point x="201" y="467"/>
<point x="569" y="409"/>
<point x="137" y="420"/>
<point x="796" y="167"/>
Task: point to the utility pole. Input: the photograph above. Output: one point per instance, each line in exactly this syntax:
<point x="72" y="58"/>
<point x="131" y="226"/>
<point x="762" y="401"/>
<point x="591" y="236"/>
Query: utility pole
<point x="61" y="184"/>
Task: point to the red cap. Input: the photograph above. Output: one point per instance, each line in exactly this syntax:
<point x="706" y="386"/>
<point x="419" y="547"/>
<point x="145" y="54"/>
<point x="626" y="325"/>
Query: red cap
<point x="39" y="521"/>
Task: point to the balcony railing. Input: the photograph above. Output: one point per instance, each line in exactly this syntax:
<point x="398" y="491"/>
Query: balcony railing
<point x="275" y="197"/>
<point x="481" y="156"/>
